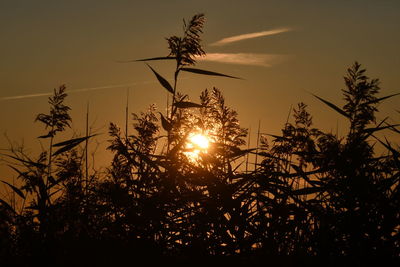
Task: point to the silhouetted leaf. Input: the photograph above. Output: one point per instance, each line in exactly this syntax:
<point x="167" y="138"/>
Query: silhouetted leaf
<point x="187" y="104"/>
<point x="177" y="147"/>
<point x="69" y="144"/>
<point x="20" y="173"/>
<point x="165" y="123"/>
<point x="380" y="99"/>
<point x="32" y="163"/>
<point x="46" y="136"/>
<point x="146" y="59"/>
<point x="162" y="81"/>
<point x="240" y="152"/>
<point x="65" y="148"/>
<point x="206" y="72"/>
<point x="279" y="138"/>
<point x="376" y="129"/>
<point x="341" y="111"/>
<point x="388" y="146"/>
<point x="74" y="141"/>
<point x="15" y="189"/>
<point x="392" y="128"/>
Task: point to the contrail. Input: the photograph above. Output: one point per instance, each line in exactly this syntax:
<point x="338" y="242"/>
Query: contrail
<point x="246" y="36"/>
<point x="265" y="60"/>
<point x="75" y="90"/>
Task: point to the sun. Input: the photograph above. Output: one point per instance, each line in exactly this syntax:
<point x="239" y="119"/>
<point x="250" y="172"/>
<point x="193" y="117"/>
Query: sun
<point x="197" y="143"/>
<point x="200" y="141"/>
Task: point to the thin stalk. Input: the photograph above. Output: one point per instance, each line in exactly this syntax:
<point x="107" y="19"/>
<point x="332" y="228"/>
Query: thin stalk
<point x="86" y="149"/>
<point x="248" y="147"/>
<point x="126" y="114"/>
<point x="287" y="121"/>
<point x="173" y="108"/>
<point x="258" y="140"/>
<point x="49" y="164"/>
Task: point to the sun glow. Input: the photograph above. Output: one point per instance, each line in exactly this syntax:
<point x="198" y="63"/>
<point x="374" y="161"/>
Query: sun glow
<point x="197" y="143"/>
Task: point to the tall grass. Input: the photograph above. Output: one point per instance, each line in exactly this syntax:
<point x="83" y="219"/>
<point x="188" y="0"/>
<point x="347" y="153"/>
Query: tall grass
<point x="313" y="197"/>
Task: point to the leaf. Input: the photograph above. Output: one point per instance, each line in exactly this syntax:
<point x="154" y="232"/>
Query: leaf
<point x="20" y="173"/>
<point x="388" y="146"/>
<point x="15" y="189"/>
<point x="380" y="99"/>
<point x="65" y="148"/>
<point x="178" y="146"/>
<point x="36" y="164"/>
<point x="392" y="128"/>
<point x="206" y="72"/>
<point x="147" y="59"/>
<point x="187" y="104"/>
<point x="69" y="144"/>
<point x="239" y="152"/>
<point x="333" y="106"/>
<point x="375" y="129"/>
<point x="45" y="136"/>
<point x="162" y="81"/>
<point x="279" y="138"/>
<point x="75" y="140"/>
<point x="165" y="123"/>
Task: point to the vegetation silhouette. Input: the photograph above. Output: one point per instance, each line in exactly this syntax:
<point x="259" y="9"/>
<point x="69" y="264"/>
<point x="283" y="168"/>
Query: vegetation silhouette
<point x="314" y="198"/>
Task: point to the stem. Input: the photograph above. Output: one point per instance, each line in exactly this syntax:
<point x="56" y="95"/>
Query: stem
<point x="86" y="149"/>
<point x="258" y="140"/>
<point x="126" y="115"/>
<point x="49" y="164"/>
<point x="248" y="147"/>
<point x="173" y="108"/>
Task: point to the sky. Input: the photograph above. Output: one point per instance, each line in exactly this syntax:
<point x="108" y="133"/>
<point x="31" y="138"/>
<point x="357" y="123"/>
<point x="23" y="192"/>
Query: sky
<point x="284" y="51"/>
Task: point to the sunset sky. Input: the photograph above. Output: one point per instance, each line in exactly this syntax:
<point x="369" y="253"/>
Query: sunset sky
<point x="283" y="49"/>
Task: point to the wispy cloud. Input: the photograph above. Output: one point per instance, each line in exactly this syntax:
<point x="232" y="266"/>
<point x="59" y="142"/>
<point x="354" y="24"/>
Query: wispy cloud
<point x="246" y="36"/>
<point x="265" y="60"/>
<point x="74" y="90"/>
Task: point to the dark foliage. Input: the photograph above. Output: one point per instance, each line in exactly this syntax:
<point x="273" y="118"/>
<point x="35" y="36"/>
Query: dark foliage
<point x="313" y="197"/>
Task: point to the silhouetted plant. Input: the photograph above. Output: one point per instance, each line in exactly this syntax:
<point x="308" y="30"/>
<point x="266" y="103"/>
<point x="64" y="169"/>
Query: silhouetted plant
<point x="314" y="198"/>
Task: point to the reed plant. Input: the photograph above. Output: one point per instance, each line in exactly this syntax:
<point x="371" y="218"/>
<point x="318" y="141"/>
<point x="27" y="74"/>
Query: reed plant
<point x="313" y="197"/>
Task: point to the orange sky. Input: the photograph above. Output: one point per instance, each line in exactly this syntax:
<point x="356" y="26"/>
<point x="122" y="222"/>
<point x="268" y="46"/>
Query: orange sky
<point x="48" y="43"/>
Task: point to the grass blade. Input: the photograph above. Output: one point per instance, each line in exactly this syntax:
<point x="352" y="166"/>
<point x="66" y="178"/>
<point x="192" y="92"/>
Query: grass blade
<point x="380" y="99"/>
<point x="162" y="81"/>
<point x="341" y="111"/>
<point x="206" y="72"/>
<point x="29" y="162"/>
<point x="376" y="129"/>
<point x="15" y="189"/>
<point x="165" y="123"/>
<point x="73" y="141"/>
<point x="187" y="104"/>
<point x="146" y="59"/>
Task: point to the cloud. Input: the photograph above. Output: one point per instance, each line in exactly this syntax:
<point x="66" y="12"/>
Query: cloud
<point x="246" y="36"/>
<point x="265" y="60"/>
<point x="74" y="90"/>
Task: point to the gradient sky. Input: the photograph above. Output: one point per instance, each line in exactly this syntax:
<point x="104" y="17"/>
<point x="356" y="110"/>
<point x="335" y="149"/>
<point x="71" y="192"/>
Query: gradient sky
<point x="48" y="43"/>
